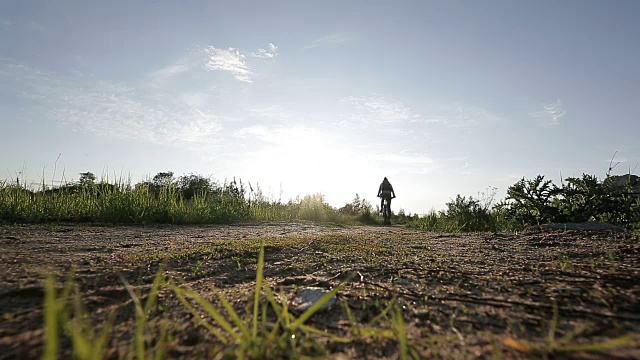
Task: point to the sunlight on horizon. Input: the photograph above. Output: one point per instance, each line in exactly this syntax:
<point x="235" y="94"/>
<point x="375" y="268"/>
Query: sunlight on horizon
<point x="306" y="161"/>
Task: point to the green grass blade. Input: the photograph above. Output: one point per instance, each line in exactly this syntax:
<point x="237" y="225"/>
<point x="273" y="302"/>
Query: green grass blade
<point x="336" y="338"/>
<point x="81" y="334"/>
<point x="196" y="315"/>
<point x="139" y="321"/>
<point x="383" y="313"/>
<point x="234" y="316"/>
<point x="153" y="293"/>
<point x="51" y="330"/>
<point x="256" y="300"/>
<point x="226" y="326"/>
<point x="401" y="332"/>
<point x="100" y="345"/>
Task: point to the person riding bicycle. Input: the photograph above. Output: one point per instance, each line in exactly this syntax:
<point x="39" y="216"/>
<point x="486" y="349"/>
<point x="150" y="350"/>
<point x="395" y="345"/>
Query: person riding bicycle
<point x="385" y="192"/>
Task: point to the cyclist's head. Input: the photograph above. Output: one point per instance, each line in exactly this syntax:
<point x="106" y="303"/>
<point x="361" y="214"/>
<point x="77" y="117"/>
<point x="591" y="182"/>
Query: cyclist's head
<point x="385" y="180"/>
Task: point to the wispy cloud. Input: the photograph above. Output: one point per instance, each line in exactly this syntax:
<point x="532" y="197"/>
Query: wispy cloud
<point x="116" y="110"/>
<point x="459" y="115"/>
<point x="379" y="109"/>
<point x="111" y="110"/>
<point x="550" y="114"/>
<point x="168" y="72"/>
<point x="331" y="39"/>
<point x="234" y="60"/>
<point x="269" y="53"/>
<point x="230" y="60"/>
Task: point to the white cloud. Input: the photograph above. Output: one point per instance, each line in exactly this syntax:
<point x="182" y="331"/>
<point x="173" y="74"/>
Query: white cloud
<point x="269" y="53"/>
<point x="168" y="72"/>
<point x="379" y="109"/>
<point x="230" y="60"/>
<point x="234" y="60"/>
<point x="458" y="115"/>
<point x="183" y="67"/>
<point x="550" y="114"/>
<point x="115" y="110"/>
<point x="5" y="24"/>
<point x="330" y="39"/>
<point x="109" y="111"/>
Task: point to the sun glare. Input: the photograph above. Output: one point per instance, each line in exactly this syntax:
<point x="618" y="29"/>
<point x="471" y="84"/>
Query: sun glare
<point x="305" y="161"/>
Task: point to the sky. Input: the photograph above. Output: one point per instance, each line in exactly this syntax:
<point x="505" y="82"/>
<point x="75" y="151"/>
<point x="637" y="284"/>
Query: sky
<point x="300" y="97"/>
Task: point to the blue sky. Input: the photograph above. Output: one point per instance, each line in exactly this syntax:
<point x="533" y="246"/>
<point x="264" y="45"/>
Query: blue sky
<point x="441" y="97"/>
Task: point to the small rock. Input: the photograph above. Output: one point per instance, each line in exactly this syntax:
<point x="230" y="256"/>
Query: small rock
<point x="305" y="298"/>
<point x="401" y="281"/>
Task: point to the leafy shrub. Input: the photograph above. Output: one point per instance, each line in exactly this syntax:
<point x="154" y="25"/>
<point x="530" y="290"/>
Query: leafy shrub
<point x="531" y="202"/>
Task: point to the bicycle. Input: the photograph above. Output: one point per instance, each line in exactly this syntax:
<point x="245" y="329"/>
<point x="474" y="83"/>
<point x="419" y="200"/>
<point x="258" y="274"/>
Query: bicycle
<point x="386" y="211"/>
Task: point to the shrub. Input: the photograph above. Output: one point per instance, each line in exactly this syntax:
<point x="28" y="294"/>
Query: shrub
<point x="531" y="202"/>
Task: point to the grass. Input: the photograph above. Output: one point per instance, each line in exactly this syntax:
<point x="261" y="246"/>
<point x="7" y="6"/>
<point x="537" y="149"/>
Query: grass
<point x="65" y="314"/>
<point x="271" y="330"/>
<point x="194" y="199"/>
<point x="122" y="203"/>
<point x="565" y="346"/>
<point x="445" y="222"/>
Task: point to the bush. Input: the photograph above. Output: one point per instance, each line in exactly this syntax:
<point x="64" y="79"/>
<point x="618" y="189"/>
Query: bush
<point x="532" y="202"/>
<point x="469" y="215"/>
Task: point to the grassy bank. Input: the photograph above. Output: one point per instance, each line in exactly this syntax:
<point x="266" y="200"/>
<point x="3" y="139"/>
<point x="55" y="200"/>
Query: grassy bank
<point x="194" y="199"/>
<point x="122" y="203"/>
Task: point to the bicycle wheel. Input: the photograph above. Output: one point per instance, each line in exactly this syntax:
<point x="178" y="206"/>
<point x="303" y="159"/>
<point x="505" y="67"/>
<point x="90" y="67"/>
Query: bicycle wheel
<point x="386" y="213"/>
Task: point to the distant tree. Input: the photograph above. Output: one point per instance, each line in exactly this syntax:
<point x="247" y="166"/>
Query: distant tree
<point x="163" y="179"/>
<point x="194" y="184"/>
<point x="87" y="178"/>
<point x="356" y="206"/>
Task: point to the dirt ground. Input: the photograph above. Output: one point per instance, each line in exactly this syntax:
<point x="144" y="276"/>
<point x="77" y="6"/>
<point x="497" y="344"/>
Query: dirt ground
<point x="461" y="295"/>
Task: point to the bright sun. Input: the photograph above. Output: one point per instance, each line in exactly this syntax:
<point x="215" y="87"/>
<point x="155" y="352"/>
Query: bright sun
<point x="304" y="161"/>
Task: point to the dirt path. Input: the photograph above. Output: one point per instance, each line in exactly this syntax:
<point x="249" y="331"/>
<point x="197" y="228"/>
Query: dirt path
<point x="461" y="295"/>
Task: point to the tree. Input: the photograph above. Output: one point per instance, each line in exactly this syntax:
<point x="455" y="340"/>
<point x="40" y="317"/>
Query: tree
<point x="356" y="206"/>
<point x="87" y="178"/>
<point x="195" y="185"/>
<point x="163" y="179"/>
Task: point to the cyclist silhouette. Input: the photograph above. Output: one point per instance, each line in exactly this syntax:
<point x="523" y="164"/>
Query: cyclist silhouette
<point x="385" y="192"/>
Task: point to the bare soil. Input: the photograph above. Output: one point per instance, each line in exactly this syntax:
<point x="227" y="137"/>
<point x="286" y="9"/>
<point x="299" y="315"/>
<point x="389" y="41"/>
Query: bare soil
<point x="461" y="295"/>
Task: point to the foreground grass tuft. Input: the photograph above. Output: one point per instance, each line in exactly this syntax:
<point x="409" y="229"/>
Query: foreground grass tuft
<point x="271" y="330"/>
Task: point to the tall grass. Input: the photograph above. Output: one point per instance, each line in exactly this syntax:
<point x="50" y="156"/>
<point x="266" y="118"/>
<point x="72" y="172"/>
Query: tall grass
<point x="117" y="203"/>
<point x="492" y="221"/>
<point x="122" y="203"/>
